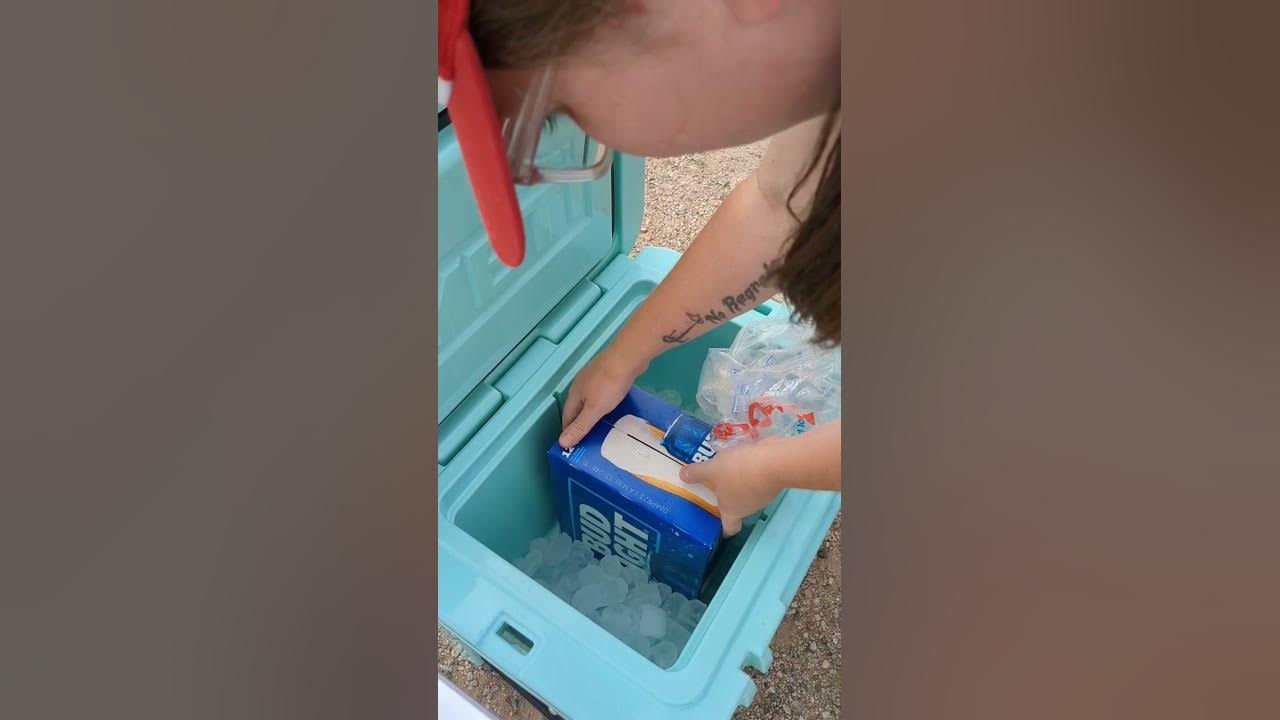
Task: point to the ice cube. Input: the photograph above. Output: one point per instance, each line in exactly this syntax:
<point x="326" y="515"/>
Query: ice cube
<point x="557" y="549"/>
<point x="558" y="572"/>
<point x="581" y="555"/>
<point x="547" y="575"/>
<point x="530" y="563"/>
<point x="592" y="575"/>
<point x="634" y="575"/>
<point x="664" y="654"/>
<point x="645" y="595"/>
<point x="611" y="565"/>
<point x="639" y="644"/>
<point x="653" y="622"/>
<point x="630" y="616"/>
<point x="589" y="598"/>
<point x="677" y="634"/>
<point x="569" y="583"/>
<point x="665" y="590"/>
<point x="691" y="613"/>
<point x="539" y="544"/>
<point x="571" y="564"/>
<point x="562" y="593"/>
<point x="615" y="621"/>
<point x="614" y="591"/>
<point x="674" y="603"/>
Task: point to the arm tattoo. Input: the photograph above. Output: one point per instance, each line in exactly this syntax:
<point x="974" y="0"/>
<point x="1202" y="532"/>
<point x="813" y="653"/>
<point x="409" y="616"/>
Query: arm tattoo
<point x="677" y="337"/>
<point x="751" y="294"/>
<point x="739" y="303"/>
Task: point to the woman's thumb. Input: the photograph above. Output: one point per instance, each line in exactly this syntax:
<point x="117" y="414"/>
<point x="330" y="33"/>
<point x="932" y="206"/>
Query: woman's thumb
<point x="694" y="473"/>
<point x="730" y="525"/>
<point x="577" y="428"/>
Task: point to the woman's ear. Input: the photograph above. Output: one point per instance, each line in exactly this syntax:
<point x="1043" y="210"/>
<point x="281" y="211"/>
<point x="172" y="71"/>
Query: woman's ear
<point x="751" y="12"/>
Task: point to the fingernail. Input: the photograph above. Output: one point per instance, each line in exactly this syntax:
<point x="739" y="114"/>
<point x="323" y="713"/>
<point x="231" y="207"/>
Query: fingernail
<point x="684" y="474"/>
<point x="564" y="441"/>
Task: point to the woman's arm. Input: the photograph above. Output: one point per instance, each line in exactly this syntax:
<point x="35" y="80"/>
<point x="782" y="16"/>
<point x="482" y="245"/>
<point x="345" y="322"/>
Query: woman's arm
<point x="723" y="273"/>
<point x="748" y="477"/>
<point x="721" y="276"/>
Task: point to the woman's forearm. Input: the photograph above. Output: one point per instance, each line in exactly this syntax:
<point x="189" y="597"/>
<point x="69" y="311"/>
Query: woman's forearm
<point x="722" y="275"/>
<point x="810" y="461"/>
<point x="725" y="271"/>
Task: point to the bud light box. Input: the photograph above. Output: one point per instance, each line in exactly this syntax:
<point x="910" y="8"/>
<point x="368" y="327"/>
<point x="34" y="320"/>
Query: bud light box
<point x="619" y="491"/>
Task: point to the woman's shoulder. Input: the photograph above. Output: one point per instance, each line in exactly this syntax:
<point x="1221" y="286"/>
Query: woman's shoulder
<point x="789" y="155"/>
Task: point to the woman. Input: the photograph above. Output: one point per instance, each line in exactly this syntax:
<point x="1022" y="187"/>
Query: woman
<point x="667" y="77"/>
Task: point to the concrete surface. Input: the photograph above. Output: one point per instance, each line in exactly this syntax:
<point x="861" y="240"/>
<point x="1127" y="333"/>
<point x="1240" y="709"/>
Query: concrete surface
<point x="680" y="196"/>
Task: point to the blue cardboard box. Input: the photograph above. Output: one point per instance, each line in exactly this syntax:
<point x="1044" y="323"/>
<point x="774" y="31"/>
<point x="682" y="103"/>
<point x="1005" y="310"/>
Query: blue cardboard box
<point x="619" y="491"/>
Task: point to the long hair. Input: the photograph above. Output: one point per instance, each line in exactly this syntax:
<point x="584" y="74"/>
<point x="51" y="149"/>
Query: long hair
<point x="809" y="274"/>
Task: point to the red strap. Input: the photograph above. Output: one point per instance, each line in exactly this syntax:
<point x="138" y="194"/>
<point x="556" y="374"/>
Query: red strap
<point x="758" y="416"/>
<point x="480" y="137"/>
<point x="758" y="413"/>
<point x="451" y="21"/>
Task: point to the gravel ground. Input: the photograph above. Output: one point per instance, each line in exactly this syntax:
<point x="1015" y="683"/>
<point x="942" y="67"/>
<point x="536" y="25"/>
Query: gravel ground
<point x="680" y="196"/>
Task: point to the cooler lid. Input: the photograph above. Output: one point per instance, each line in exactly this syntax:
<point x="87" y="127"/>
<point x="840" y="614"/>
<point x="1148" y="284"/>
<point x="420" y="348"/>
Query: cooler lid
<point x="571" y="232"/>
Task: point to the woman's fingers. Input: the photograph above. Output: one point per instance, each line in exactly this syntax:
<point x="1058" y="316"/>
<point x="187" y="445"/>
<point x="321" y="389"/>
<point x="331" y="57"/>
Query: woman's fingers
<point x="587" y="414"/>
<point x="572" y="408"/>
<point x="704" y="473"/>
<point x="731" y="525"/>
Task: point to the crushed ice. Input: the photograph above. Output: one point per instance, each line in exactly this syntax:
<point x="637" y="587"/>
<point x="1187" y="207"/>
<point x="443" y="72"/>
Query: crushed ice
<point x="646" y="615"/>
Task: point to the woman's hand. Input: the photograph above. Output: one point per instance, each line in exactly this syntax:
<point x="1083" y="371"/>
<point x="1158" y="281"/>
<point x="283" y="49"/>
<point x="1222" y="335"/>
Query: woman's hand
<point x="595" y="391"/>
<point x="742" y="477"/>
<point x="746" y="478"/>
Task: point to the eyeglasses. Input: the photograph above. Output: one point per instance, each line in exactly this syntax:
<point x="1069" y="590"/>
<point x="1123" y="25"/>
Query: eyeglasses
<point x="498" y="153"/>
<point x="522" y="132"/>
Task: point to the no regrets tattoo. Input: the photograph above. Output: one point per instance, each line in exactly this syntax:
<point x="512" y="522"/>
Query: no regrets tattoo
<point x="749" y="297"/>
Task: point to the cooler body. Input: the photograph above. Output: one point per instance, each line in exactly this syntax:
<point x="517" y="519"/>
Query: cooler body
<point x="511" y="342"/>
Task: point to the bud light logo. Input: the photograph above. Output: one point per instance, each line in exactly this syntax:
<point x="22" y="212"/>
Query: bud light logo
<point x="619" y="537"/>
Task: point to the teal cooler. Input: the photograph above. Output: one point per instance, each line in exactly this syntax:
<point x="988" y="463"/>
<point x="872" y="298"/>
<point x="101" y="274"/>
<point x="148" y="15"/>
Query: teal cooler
<point x="510" y="342"/>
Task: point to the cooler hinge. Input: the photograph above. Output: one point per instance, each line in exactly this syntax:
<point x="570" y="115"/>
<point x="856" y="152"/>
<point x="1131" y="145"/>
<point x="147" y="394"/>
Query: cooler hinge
<point x="519" y="366"/>
<point x="466" y="420"/>
<point x="566" y="314"/>
<point x="516" y="369"/>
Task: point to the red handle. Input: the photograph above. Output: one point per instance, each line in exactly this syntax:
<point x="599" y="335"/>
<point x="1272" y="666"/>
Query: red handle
<point x="480" y="137"/>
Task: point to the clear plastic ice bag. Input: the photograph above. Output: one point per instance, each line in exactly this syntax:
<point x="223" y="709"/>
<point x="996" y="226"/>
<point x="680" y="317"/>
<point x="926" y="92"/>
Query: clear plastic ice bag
<point x="771" y="382"/>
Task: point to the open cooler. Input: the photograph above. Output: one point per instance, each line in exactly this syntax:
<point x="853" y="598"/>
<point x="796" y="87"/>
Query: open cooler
<point x="511" y="340"/>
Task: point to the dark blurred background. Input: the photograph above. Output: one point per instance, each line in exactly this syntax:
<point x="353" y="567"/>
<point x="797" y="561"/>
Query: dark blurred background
<point x="1063" y="392"/>
<point x="217" y="330"/>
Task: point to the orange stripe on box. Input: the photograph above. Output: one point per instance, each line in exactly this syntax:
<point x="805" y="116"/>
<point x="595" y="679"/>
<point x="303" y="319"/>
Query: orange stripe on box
<point x="691" y="497"/>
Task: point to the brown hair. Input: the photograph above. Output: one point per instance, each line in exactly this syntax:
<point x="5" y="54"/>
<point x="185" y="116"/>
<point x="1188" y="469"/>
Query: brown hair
<point x="525" y="33"/>
<point x="809" y="274"/>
